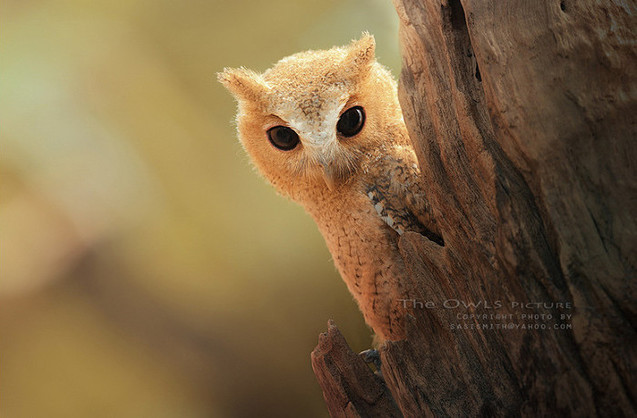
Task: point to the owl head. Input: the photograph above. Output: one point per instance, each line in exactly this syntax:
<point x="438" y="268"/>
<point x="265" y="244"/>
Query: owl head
<point x="311" y="121"/>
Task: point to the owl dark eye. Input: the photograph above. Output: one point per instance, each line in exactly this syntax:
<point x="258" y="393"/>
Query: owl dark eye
<point x="351" y="121"/>
<point x="283" y="138"/>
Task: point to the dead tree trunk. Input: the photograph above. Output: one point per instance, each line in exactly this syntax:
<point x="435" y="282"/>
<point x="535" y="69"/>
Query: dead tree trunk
<point x="523" y="115"/>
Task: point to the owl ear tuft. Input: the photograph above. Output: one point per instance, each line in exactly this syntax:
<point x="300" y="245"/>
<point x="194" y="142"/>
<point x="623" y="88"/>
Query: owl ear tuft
<point x="361" y="54"/>
<point x="244" y="84"/>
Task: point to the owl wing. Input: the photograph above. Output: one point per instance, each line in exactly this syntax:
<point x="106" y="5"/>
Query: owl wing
<point x="399" y="198"/>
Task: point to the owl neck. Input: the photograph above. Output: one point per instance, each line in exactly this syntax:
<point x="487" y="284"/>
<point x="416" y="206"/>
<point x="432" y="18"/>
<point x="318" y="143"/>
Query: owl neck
<point x="316" y="200"/>
<point x="342" y="198"/>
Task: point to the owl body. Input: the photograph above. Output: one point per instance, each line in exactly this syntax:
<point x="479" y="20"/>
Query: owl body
<point x="325" y="128"/>
<point x="361" y="229"/>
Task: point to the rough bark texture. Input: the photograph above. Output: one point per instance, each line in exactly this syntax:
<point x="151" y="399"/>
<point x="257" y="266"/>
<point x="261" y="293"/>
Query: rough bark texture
<point x="349" y="386"/>
<point x="523" y="116"/>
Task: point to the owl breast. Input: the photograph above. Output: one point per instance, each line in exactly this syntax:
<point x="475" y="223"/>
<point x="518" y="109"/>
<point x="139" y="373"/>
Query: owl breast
<point x="362" y="227"/>
<point x="365" y="251"/>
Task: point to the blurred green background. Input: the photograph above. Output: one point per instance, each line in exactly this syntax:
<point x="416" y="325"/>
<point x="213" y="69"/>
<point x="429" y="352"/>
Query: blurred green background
<point x="147" y="271"/>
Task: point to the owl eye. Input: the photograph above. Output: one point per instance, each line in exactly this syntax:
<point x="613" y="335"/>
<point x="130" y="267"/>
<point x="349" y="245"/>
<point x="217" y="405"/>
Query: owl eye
<point x="351" y="121"/>
<point x="283" y="138"/>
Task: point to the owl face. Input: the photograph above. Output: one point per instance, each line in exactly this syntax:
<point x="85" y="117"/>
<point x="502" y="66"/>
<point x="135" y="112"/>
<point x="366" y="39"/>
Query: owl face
<point x="309" y="122"/>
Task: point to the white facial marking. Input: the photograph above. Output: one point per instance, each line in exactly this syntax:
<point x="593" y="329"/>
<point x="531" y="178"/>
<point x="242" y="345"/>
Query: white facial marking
<point x="320" y="131"/>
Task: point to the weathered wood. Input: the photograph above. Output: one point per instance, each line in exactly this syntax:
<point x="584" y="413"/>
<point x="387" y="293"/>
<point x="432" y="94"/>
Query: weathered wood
<point x="529" y="167"/>
<point x="349" y="386"/>
<point x="524" y="119"/>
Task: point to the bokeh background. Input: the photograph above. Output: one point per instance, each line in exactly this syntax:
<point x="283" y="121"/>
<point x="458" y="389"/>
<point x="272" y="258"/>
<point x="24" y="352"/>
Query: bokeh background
<point x="146" y="270"/>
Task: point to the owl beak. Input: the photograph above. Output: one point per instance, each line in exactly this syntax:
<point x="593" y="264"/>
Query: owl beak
<point x="330" y="176"/>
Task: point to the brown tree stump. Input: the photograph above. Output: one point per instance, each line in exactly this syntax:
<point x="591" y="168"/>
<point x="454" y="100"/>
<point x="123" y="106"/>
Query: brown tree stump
<point x="524" y="118"/>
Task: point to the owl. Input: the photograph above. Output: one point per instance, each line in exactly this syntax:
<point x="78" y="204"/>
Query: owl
<point x="325" y="128"/>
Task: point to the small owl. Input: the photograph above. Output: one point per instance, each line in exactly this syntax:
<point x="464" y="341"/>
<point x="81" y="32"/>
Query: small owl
<point x="325" y="129"/>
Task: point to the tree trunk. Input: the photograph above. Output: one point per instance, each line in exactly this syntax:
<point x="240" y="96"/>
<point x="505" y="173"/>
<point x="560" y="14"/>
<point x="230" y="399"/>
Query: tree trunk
<point x="523" y="117"/>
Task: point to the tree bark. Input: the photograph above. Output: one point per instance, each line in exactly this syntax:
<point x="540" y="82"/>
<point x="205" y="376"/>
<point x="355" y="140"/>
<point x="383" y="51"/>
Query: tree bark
<point x="349" y="386"/>
<point x="523" y="117"/>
